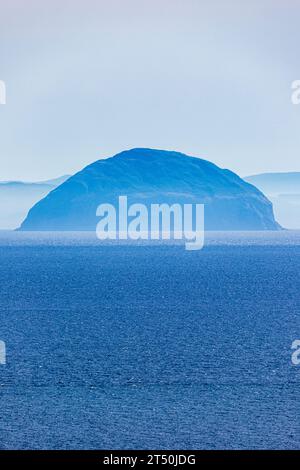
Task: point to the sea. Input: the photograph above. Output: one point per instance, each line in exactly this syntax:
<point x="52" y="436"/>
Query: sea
<point x="148" y="345"/>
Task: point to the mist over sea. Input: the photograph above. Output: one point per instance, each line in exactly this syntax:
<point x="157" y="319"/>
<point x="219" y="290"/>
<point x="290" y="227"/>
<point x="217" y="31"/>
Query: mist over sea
<point x="147" y="345"/>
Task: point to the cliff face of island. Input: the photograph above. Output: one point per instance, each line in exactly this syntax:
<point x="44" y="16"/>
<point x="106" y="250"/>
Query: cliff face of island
<point x="153" y="176"/>
<point x="283" y="190"/>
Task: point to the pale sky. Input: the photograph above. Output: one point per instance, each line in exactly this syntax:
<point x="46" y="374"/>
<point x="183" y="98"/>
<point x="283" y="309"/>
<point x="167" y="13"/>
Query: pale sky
<point x="86" y="79"/>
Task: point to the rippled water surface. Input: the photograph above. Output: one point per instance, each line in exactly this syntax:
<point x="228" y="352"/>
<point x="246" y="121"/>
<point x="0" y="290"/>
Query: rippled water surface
<point x="149" y="346"/>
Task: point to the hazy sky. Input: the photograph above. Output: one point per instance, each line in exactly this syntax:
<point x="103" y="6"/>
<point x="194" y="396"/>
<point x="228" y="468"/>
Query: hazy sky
<point x="86" y="79"/>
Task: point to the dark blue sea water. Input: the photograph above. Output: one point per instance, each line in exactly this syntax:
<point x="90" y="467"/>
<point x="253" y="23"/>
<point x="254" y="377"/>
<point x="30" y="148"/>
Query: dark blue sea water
<point x="138" y="347"/>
